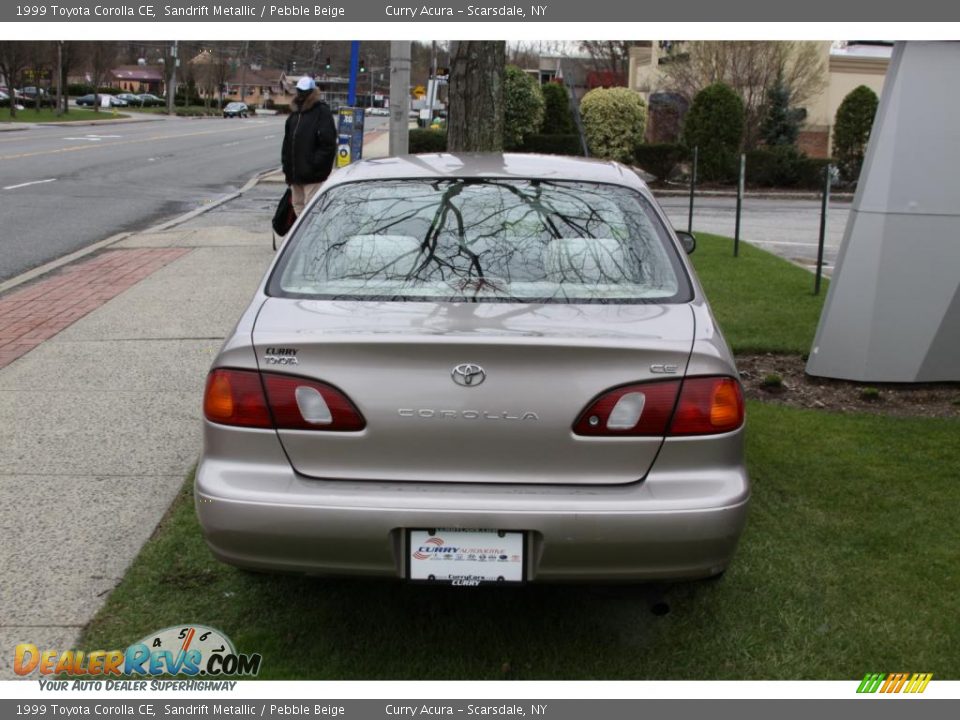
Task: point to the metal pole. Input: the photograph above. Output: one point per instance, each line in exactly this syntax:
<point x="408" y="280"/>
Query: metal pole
<point x="172" y="90"/>
<point x="354" y="67"/>
<point x="431" y="96"/>
<point x="243" y="76"/>
<point x="823" y="227"/>
<point x="693" y="184"/>
<point x="399" y="97"/>
<point x="59" y="77"/>
<point x="736" y="232"/>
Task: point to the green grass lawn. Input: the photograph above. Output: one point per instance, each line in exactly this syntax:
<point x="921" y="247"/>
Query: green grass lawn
<point x="849" y="564"/>
<point x="763" y="303"/>
<point x="45" y="115"/>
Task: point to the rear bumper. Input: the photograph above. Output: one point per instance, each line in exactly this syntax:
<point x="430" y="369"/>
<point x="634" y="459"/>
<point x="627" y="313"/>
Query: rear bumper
<point x="677" y="523"/>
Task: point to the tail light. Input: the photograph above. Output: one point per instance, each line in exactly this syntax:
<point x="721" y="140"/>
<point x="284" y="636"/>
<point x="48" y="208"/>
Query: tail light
<point x="235" y="397"/>
<point x="705" y="406"/>
<point x="300" y="404"/>
<point x="245" y="398"/>
<point x="708" y="405"/>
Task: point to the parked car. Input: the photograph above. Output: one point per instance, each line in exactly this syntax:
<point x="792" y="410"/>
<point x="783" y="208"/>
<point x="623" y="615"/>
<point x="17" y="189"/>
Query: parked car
<point x="378" y="111"/>
<point x="236" y="109"/>
<point x="28" y="96"/>
<point x="4" y="99"/>
<point x="477" y="368"/>
<point x="91" y="100"/>
<point x="130" y="99"/>
<point x="149" y="100"/>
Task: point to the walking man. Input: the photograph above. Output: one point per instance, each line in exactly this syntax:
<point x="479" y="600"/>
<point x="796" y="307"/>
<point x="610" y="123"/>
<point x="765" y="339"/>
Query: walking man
<point x="309" y="144"/>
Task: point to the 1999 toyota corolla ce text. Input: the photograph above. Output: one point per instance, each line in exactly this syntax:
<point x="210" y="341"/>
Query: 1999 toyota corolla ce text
<point x="477" y="368"/>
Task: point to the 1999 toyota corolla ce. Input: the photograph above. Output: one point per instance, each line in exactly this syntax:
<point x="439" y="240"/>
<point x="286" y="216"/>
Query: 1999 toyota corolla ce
<point x="477" y="368"/>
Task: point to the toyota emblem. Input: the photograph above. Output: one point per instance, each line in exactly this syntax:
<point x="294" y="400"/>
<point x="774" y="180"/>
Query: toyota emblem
<point x="468" y="374"/>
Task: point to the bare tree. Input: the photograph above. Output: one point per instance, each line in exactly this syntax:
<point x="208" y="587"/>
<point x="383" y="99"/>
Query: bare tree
<point x="38" y="71"/>
<point x="72" y="56"/>
<point x="751" y="68"/>
<point x="216" y="70"/>
<point x="475" y="121"/>
<point x="101" y="57"/>
<point x="14" y="59"/>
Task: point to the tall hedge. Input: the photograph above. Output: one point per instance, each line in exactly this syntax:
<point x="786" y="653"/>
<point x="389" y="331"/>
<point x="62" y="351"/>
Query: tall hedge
<point x="714" y="124"/>
<point x="523" y="106"/>
<point x="613" y="121"/>
<point x="851" y="131"/>
<point x="557" y="118"/>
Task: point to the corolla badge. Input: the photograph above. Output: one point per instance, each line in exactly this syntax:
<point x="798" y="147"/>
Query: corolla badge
<point x="468" y="374"/>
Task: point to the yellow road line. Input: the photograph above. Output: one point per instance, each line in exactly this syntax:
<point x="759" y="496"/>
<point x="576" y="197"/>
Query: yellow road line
<point x="91" y="145"/>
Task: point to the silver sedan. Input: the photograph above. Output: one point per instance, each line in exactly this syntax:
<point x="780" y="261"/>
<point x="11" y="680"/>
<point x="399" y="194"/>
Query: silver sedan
<point x="472" y="369"/>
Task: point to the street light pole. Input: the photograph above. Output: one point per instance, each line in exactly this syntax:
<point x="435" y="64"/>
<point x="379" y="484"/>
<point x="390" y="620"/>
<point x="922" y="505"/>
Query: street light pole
<point x="399" y="97"/>
<point x="172" y="90"/>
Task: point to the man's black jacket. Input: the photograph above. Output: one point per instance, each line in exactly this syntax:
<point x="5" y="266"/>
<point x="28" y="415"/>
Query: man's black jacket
<point x="309" y="141"/>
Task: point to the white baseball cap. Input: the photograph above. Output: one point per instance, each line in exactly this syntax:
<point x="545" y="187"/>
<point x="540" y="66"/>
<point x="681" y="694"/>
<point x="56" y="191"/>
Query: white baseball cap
<point x="306" y="83"/>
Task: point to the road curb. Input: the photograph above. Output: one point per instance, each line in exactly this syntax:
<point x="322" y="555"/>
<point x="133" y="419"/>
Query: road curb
<point x="101" y="244"/>
<point x="105" y="121"/>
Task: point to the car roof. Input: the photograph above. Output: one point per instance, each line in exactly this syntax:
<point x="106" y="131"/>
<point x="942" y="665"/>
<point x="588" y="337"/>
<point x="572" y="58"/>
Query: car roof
<point x="489" y="165"/>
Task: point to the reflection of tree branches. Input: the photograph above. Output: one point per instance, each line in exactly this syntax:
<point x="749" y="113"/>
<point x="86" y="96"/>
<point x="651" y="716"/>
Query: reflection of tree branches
<point x="482" y="236"/>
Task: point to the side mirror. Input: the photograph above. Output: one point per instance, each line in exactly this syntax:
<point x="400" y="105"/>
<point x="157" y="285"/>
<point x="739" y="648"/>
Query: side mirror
<point x="687" y="240"/>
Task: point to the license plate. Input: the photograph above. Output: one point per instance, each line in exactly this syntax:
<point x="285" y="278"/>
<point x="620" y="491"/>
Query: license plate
<point x="465" y="557"/>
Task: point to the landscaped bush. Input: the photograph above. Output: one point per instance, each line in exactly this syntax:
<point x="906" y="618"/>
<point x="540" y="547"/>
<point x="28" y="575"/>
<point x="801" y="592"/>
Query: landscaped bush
<point x="523" y="106"/>
<point x="557" y="118"/>
<point x="851" y="131"/>
<point x="78" y="89"/>
<point x="714" y="124"/>
<point x="427" y="141"/>
<point x="568" y="144"/>
<point x="194" y="111"/>
<point x="613" y="121"/>
<point x="784" y="167"/>
<point x="191" y="99"/>
<point x="659" y="159"/>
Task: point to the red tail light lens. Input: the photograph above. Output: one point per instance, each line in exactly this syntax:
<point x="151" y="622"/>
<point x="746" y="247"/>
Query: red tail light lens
<point x="301" y="404"/>
<point x="235" y="397"/>
<point x="650" y="405"/>
<point x="706" y="406"/>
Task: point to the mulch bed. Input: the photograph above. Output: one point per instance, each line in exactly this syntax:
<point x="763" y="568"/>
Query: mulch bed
<point x="783" y="379"/>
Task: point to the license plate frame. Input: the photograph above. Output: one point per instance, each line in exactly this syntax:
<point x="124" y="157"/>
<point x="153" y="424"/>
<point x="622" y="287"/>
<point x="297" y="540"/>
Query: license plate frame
<point x="457" y="557"/>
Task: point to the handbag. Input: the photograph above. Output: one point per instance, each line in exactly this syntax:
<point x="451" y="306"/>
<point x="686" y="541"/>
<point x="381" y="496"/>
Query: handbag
<point x="284" y="216"/>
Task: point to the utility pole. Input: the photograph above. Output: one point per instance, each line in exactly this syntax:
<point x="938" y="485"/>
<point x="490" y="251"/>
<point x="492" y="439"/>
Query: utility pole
<point x="172" y="89"/>
<point x="59" y="77"/>
<point x="399" y="97"/>
<point x="432" y="81"/>
<point x="243" y="71"/>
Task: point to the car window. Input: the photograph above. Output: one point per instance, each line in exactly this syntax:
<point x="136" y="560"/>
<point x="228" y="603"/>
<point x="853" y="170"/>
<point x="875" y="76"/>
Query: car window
<point x="482" y="240"/>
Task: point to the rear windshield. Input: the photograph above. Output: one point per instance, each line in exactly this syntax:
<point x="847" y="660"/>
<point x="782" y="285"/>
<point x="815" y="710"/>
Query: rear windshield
<point x="482" y="241"/>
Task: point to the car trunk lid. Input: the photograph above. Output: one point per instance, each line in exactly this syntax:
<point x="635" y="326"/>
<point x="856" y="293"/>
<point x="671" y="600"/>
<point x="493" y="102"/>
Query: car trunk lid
<point x="541" y="364"/>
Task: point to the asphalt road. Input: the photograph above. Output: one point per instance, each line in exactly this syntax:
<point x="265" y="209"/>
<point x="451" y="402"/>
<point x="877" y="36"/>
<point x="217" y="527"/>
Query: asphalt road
<point x="787" y="227"/>
<point x="63" y="188"/>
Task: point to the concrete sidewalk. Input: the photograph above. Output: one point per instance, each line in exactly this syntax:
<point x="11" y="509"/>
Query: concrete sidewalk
<point x="101" y="413"/>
